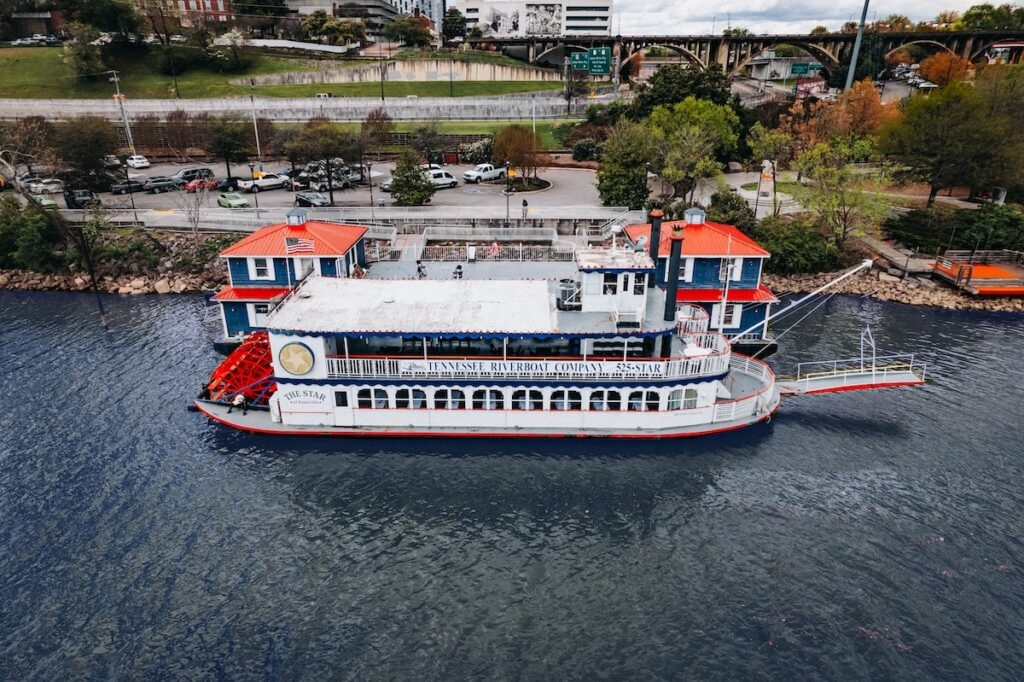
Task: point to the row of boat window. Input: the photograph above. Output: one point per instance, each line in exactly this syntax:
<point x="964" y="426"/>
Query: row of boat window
<point x="518" y="399"/>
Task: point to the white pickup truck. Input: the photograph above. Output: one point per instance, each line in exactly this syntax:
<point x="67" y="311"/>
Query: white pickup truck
<point x="266" y="181"/>
<point x="483" y="172"/>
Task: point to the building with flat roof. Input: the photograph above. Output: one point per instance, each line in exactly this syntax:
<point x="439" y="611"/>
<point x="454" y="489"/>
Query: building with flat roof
<point x="520" y="18"/>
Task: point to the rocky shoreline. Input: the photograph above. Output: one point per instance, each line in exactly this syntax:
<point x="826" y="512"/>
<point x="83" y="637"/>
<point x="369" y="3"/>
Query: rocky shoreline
<point x="881" y="285"/>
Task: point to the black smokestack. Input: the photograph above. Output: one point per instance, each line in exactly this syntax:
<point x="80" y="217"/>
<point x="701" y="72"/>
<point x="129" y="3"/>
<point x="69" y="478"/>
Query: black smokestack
<point x="656" y="216"/>
<point x="672" y="284"/>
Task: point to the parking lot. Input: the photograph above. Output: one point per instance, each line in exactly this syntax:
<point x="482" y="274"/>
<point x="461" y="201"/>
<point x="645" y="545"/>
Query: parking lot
<point x="569" y="187"/>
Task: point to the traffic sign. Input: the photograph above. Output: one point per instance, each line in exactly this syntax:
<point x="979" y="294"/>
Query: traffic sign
<point x="800" y="68"/>
<point x="579" y="61"/>
<point x="814" y="66"/>
<point x="600" y="60"/>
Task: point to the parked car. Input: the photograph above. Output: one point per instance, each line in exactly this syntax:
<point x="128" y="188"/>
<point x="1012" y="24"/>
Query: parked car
<point x="385" y="184"/>
<point x="81" y="198"/>
<point x="186" y="175"/>
<point x="129" y="186"/>
<point x="232" y="200"/>
<point x="229" y="184"/>
<point x="111" y="161"/>
<point x="46" y="186"/>
<point x="442" y="179"/>
<point x="44" y="201"/>
<point x="483" y="172"/>
<point x="320" y="184"/>
<point x="161" y="183"/>
<point x="268" y="181"/>
<point x="26" y="179"/>
<point x="137" y="161"/>
<point x="311" y="199"/>
<point x="201" y="184"/>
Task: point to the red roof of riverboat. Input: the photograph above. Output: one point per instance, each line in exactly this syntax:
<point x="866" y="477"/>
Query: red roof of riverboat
<point x="701" y="239"/>
<point x="329" y="240"/>
<point x="251" y="293"/>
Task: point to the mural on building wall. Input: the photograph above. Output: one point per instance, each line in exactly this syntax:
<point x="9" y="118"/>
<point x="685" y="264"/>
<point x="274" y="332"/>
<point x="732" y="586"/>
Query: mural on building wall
<point x="543" y="20"/>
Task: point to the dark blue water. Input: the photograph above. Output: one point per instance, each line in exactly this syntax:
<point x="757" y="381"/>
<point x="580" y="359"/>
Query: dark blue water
<point x="871" y="535"/>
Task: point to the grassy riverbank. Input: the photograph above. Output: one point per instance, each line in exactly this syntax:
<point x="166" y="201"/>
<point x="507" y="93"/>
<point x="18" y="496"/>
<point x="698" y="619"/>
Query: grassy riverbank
<point x="40" y="73"/>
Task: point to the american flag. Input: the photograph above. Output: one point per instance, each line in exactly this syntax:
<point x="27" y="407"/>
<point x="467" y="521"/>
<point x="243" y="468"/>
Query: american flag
<point x="297" y="245"/>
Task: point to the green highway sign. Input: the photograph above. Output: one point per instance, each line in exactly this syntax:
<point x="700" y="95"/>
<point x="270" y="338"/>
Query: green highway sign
<point x="600" y="60"/>
<point x="800" y="68"/>
<point x="579" y="61"/>
<point x="815" y="66"/>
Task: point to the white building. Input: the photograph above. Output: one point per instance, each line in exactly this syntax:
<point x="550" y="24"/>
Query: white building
<point x="519" y="18"/>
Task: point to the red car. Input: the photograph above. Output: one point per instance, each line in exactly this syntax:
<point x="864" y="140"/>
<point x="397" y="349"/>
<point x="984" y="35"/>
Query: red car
<point x="199" y="183"/>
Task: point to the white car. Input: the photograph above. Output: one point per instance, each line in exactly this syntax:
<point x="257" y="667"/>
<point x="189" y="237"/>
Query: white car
<point x="46" y="186"/>
<point x="483" y="172"/>
<point x="137" y="161"/>
<point x="264" y="182"/>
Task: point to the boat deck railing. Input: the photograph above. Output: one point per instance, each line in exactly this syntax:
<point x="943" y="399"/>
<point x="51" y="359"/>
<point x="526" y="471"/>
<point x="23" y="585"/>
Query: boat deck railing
<point x="756" y="403"/>
<point x="878" y="369"/>
<point x="560" y="368"/>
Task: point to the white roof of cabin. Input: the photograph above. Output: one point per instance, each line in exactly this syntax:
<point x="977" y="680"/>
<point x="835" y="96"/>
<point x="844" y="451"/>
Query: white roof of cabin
<point x="428" y="306"/>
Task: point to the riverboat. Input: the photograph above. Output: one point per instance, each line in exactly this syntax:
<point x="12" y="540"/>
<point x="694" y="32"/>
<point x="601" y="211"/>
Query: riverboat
<point x="587" y="344"/>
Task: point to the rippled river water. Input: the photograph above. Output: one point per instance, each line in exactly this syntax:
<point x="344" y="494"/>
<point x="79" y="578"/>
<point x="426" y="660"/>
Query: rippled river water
<point x="873" y="535"/>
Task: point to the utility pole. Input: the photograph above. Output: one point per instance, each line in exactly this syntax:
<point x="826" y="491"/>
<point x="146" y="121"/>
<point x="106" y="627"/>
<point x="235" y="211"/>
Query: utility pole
<point x="255" y="128"/>
<point x="856" y="47"/>
<point x="124" y="116"/>
<point x="566" y="75"/>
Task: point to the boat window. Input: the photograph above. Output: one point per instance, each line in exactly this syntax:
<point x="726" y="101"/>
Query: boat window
<point x="635" y="402"/>
<point x="261" y="308"/>
<point x="639" y="282"/>
<point x="364" y="398"/>
<point x="341" y="398"/>
<point x="653" y="401"/>
<point x="487" y="399"/>
<point x="524" y="399"/>
<point x="449" y="399"/>
<point x="414" y="398"/>
<point x="690" y="399"/>
<point x="563" y="399"/>
<point x="380" y="398"/>
<point x="611" y="283"/>
<point x="605" y="400"/>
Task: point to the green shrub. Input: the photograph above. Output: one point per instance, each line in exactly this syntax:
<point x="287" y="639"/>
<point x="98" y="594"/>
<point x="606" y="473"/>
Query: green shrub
<point x="796" y="246"/>
<point x="585" y="150"/>
<point x="477" y="152"/>
<point x="561" y="133"/>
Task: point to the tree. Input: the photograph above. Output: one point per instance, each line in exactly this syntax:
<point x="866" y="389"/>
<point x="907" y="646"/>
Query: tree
<point x="82" y="58"/>
<point x="691" y="137"/>
<point x="407" y="30"/>
<point x="895" y="22"/>
<point x="941" y="139"/>
<point x="340" y="31"/>
<point x="453" y="25"/>
<point x="820" y="31"/>
<point x="111" y="16"/>
<point x="1001" y="91"/>
<point x="737" y="31"/>
<point x="29" y="141"/>
<point x="517" y="146"/>
<point x="82" y="143"/>
<point x="864" y="112"/>
<point x="622" y="175"/>
<point x="944" y="67"/>
<point x="947" y="18"/>
<point x="192" y="205"/>
<point x="575" y="87"/>
<point x="314" y="24"/>
<point x="673" y="83"/>
<point x="987" y="17"/>
<point x="770" y="145"/>
<point x="797" y="246"/>
<point x="900" y="56"/>
<point x="27" y="239"/>
<point x="427" y="140"/>
<point x="376" y="127"/>
<point x="409" y="184"/>
<point x="320" y="140"/>
<point x="845" y="202"/>
<point x="230" y="140"/>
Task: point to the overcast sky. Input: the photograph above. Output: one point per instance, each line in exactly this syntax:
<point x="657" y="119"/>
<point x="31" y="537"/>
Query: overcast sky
<point x="686" y="17"/>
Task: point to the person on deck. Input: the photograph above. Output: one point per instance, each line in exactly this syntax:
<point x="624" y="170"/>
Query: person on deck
<point x="239" y="401"/>
<point x="421" y="271"/>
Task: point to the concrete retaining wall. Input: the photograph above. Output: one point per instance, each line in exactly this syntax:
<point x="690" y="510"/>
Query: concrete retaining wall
<point x="412" y="71"/>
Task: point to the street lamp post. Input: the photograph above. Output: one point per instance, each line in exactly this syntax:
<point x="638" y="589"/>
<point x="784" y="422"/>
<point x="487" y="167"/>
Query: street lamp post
<point x="131" y="194"/>
<point x="369" y="177"/>
<point x="508" y="193"/>
<point x="255" y="128"/>
<point x="383" y="64"/>
<point x="255" y="192"/>
<point x="451" y="75"/>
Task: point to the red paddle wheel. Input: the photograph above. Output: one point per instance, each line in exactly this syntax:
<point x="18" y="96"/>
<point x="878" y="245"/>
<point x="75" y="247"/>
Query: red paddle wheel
<point x="248" y="370"/>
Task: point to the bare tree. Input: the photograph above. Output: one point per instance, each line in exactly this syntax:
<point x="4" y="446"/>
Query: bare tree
<point x="193" y="205"/>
